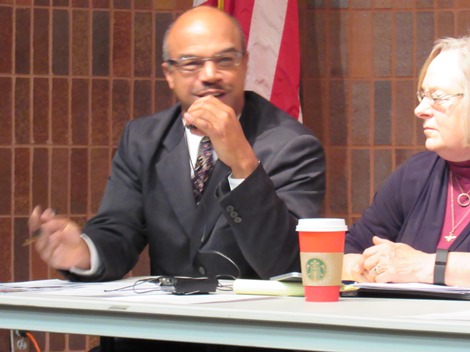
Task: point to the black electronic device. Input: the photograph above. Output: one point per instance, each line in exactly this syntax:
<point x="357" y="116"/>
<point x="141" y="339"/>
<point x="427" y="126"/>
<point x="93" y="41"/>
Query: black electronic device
<point x="184" y="285"/>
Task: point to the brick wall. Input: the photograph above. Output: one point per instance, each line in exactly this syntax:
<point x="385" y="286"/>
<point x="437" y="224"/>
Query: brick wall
<point x="72" y="72"/>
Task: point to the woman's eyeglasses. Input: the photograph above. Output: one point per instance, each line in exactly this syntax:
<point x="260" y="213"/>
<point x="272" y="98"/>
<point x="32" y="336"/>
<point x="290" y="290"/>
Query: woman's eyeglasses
<point x="436" y="98"/>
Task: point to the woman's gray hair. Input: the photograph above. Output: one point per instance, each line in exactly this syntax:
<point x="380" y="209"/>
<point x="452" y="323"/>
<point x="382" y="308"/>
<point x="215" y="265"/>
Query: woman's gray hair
<point x="462" y="47"/>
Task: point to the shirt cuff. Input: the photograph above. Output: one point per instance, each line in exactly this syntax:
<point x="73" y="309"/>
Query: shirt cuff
<point x="234" y="182"/>
<point x="95" y="261"/>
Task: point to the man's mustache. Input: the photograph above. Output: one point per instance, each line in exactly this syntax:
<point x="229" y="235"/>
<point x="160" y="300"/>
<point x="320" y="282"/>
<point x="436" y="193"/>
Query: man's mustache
<point x="214" y="90"/>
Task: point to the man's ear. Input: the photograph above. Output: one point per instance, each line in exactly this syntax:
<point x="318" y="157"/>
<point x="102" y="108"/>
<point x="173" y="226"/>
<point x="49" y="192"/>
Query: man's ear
<point x="168" y="74"/>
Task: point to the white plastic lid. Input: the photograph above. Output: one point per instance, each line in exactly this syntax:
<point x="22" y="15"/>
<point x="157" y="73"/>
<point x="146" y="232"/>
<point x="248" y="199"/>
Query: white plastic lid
<point x="322" y="224"/>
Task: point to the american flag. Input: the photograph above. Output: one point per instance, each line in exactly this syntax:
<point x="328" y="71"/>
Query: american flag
<point x="271" y="28"/>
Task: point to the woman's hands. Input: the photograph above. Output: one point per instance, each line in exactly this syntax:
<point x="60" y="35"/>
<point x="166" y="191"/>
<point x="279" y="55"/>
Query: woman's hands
<point x="387" y="261"/>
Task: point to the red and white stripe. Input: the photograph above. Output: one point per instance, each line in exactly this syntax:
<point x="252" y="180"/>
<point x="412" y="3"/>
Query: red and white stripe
<point x="272" y="32"/>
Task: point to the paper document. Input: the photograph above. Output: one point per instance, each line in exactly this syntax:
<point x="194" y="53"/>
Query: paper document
<point x="268" y="287"/>
<point x="413" y="287"/>
<point x="38" y="286"/>
<point x="135" y="289"/>
<point x="119" y="288"/>
<point x="406" y="290"/>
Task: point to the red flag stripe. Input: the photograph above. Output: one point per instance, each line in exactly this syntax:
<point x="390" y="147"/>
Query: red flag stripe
<point x="285" y="91"/>
<point x="243" y="12"/>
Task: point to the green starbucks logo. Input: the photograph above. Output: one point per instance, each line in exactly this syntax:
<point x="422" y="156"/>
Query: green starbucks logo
<point x="315" y="269"/>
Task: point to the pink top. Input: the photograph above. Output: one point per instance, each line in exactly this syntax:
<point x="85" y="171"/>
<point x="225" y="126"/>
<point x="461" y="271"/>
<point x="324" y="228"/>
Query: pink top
<point x="461" y="172"/>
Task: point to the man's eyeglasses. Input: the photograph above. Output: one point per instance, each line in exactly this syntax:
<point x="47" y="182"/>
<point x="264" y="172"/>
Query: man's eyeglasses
<point x="436" y="98"/>
<point x="222" y="61"/>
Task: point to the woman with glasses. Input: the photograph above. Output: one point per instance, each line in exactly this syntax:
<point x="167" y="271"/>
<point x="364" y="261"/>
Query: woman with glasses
<point x="417" y="227"/>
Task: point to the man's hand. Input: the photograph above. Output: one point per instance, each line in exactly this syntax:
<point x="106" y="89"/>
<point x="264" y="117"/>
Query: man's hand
<point x="216" y="120"/>
<point x="59" y="243"/>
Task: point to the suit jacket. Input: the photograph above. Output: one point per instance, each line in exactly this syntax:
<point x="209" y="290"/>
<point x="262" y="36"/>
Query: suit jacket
<point x="409" y="208"/>
<point x="248" y="232"/>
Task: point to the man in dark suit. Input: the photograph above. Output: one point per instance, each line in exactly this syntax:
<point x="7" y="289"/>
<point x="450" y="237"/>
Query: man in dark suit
<point x="268" y="171"/>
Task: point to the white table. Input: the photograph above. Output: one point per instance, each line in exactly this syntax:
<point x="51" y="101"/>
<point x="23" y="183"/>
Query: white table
<point x="352" y="324"/>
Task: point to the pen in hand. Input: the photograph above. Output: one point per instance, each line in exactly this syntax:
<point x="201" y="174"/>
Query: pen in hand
<point x="34" y="236"/>
<point x="36" y="233"/>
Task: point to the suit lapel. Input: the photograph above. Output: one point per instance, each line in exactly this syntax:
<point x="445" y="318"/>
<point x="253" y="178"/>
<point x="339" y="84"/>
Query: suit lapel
<point x="208" y="210"/>
<point x="198" y="222"/>
<point x="175" y="176"/>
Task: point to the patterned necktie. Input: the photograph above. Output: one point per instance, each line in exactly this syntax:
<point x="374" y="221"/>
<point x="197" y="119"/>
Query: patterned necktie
<point x="203" y="168"/>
